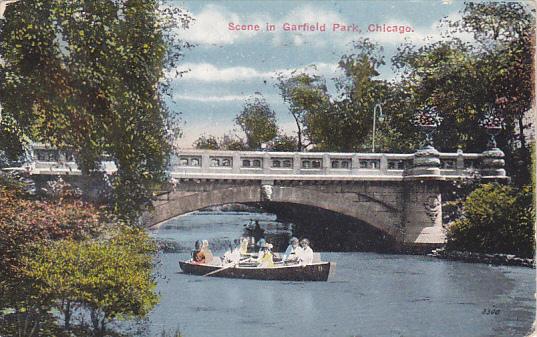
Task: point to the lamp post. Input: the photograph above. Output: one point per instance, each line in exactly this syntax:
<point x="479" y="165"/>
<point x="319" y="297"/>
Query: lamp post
<point x="378" y="106"/>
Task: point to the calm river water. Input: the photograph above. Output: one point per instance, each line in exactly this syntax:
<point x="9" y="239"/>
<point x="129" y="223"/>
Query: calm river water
<point x="370" y="295"/>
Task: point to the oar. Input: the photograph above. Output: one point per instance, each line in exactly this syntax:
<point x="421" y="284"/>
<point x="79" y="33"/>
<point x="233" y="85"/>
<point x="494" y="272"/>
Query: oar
<point x="219" y="270"/>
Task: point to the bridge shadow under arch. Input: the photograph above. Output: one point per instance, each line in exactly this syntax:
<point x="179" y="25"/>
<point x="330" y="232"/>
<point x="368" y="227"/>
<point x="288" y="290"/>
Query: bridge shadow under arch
<point x="329" y="230"/>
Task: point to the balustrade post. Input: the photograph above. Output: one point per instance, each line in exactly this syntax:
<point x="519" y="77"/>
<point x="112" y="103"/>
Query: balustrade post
<point x="236" y="164"/>
<point x="266" y="163"/>
<point x="383" y="164"/>
<point x="355" y="164"/>
<point x="205" y="162"/>
<point x="296" y="163"/>
<point x="326" y="163"/>
<point x="460" y="160"/>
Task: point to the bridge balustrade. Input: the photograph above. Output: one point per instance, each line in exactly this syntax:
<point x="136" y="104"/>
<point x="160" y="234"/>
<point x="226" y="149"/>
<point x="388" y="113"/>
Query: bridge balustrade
<point x="315" y="163"/>
<point x="200" y="163"/>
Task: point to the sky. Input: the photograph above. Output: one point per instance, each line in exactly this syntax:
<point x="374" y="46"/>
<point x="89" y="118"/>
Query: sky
<point x="227" y="66"/>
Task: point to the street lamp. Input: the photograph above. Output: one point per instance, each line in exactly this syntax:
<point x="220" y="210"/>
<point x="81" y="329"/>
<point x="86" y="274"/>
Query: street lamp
<point x="378" y="106"/>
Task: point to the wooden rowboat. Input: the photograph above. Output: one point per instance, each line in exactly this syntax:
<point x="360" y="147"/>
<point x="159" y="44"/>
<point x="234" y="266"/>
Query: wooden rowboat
<point x="313" y="272"/>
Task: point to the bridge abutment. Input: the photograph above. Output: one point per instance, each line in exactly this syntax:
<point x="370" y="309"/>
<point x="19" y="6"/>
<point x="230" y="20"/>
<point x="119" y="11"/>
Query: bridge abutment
<point x="422" y="214"/>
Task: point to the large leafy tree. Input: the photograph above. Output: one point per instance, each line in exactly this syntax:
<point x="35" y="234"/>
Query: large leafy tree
<point x="258" y="121"/>
<point x="61" y="253"/>
<point x="111" y="279"/>
<point x="343" y="122"/>
<point x="305" y="94"/>
<point x="24" y="222"/>
<point x="89" y="75"/>
<point x="483" y="62"/>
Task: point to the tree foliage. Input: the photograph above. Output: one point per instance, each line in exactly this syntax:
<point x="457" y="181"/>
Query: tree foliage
<point x="343" y="122"/>
<point x="495" y="219"/>
<point x="484" y="61"/>
<point x="207" y="143"/>
<point x="285" y="143"/>
<point x="258" y="121"/>
<point x="111" y="278"/>
<point x="89" y="75"/>
<point x="63" y="253"/>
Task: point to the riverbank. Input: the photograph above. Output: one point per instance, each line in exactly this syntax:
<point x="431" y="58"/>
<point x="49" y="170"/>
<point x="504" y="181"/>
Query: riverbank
<point x="495" y="259"/>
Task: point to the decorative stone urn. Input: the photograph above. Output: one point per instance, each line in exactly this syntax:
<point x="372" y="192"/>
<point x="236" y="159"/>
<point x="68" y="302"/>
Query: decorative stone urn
<point x="492" y="162"/>
<point x="427" y="159"/>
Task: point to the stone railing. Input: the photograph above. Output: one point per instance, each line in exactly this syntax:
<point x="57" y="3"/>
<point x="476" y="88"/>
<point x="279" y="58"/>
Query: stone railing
<point x="228" y="164"/>
<point x="294" y="165"/>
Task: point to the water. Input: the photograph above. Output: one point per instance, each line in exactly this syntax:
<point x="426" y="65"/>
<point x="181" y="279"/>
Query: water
<point x="370" y="295"/>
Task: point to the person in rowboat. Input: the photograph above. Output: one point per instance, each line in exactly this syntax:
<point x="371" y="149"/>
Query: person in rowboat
<point x="232" y="255"/>
<point x="292" y="252"/>
<point x="306" y="253"/>
<point x="258" y="232"/>
<point x="265" y="258"/>
<point x="198" y="256"/>
<point x="207" y="252"/>
<point x="243" y="246"/>
<point x="261" y="243"/>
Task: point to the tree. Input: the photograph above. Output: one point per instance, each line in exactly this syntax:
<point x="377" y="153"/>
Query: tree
<point x="285" y="143"/>
<point x="496" y="219"/>
<point x="258" y="121"/>
<point x="343" y="122"/>
<point x="112" y="279"/>
<point x="464" y="80"/>
<point x="26" y="221"/>
<point x="232" y="143"/>
<point x="304" y="93"/>
<point x="89" y="76"/>
<point x="207" y="143"/>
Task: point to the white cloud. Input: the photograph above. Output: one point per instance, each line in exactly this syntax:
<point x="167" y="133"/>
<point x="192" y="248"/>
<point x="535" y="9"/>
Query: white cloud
<point x="311" y="15"/>
<point x="222" y="98"/>
<point x="210" y="98"/>
<point x="206" y="72"/>
<point x="211" y="26"/>
<point x="420" y="36"/>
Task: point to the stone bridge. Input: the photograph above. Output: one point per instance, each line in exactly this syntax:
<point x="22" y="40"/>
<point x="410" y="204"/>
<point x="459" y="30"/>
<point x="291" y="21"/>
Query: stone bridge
<point x="399" y="194"/>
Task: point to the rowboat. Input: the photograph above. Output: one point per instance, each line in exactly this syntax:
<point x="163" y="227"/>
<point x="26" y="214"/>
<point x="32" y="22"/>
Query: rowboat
<point x="319" y="271"/>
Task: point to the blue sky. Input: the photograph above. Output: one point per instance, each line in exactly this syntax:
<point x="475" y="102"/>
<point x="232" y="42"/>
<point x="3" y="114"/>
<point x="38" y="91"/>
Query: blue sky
<point x="227" y="66"/>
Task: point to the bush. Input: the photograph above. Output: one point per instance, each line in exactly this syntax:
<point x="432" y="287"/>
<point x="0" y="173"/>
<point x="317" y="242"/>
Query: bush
<point x="495" y="219"/>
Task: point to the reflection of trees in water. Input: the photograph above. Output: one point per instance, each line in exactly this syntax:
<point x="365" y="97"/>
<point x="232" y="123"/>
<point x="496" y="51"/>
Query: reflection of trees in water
<point x="331" y="231"/>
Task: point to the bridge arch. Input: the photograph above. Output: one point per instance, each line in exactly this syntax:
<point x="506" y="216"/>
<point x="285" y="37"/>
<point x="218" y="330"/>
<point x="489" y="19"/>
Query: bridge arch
<point x="365" y="208"/>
